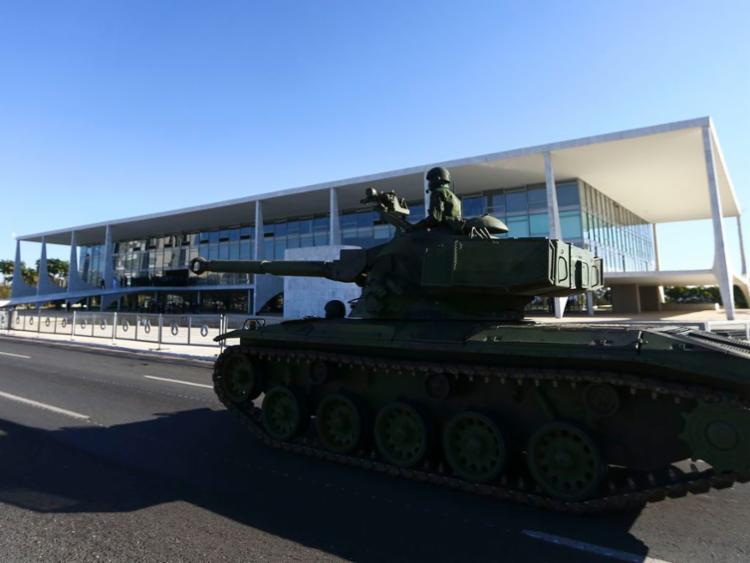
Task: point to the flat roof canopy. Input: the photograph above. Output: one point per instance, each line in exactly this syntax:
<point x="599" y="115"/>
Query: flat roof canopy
<point x="657" y="172"/>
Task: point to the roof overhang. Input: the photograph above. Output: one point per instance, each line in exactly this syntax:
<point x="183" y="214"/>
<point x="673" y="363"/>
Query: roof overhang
<point x="657" y="172"/>
<point x="670" y="278"/>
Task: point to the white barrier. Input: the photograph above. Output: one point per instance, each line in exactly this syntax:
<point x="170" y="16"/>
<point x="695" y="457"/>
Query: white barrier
<point x="173" y="330"/>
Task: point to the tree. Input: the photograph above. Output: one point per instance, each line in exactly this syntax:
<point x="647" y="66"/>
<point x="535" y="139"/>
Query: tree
<point x="697" y="294"/>
<point x="56" y="268"/>
<point x="29" y="275"/>
<point x="6" y="269"/>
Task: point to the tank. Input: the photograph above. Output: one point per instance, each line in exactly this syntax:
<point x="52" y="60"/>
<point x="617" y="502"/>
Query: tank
<point x="436" y="375"/>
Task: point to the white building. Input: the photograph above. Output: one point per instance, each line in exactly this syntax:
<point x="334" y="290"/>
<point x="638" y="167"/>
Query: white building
<point x="605" y="193"/>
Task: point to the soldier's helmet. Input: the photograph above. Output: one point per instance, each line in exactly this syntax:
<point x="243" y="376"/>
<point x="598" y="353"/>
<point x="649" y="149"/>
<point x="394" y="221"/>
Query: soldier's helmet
<point x="437" y="177"/>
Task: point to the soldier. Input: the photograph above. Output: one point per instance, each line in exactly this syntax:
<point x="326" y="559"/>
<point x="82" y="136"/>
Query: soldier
<point x="445" y="207"/>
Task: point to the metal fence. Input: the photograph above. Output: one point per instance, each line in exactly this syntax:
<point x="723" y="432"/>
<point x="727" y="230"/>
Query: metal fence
<point x="185" y="330"/>
<point x="191" y="330"/>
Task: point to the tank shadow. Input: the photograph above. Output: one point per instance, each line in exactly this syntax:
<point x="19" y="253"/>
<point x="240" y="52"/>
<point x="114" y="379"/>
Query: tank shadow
<point x="206" y="458"/>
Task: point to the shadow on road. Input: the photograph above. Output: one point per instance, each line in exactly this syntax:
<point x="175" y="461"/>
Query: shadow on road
<point x="204" y="457"/>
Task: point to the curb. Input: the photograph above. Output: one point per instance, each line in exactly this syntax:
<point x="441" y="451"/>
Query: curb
<point x="119" y="351"/>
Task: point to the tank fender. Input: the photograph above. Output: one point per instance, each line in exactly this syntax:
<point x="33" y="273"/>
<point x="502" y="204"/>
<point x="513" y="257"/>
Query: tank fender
<point x="231" y="334"/>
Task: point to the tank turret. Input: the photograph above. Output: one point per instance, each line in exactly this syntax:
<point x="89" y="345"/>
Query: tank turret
<point x="450" y="269"/>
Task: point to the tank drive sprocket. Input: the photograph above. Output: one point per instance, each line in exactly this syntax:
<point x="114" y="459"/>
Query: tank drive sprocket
<point x="719" y="436"/>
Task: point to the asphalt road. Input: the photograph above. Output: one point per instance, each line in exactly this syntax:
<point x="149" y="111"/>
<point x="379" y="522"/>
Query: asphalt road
<point x="124" y="457"/>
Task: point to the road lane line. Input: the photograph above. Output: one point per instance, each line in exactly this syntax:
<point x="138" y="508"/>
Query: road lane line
<point x="179" y="381"/>
<point x="45" y="406"/>
<point x="590" y="547"/>
<point x="15" y="355"/>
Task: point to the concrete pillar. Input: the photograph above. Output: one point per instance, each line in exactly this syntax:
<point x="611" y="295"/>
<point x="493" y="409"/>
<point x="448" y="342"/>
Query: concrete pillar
<point x="42" y="271"/>
<point x="657" y="261"/>
<point x="721" y="262"/>
<point x="650" y="297"/>
<point x="108" y="267"/>
<point x="74" y="280"/>
<point x="590" y="303"/>
<point x="553" y="213"/>
<point x="626" y="299"/>
<point x="44" y="285"/>
<point x="259" y="233"/>
<point x="75" y="283"/>
<point x="334" y="228"/>
<point x="743" y="262"/>
<point x="19" y="287"/>
<point x="108" y="270"/>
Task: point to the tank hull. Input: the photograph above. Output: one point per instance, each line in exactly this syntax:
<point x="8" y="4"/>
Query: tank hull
<point x="562" y="416"/>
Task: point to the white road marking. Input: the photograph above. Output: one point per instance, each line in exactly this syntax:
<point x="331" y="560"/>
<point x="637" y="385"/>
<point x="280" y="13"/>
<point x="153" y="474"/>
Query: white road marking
<point x="44" y="406"/>
<point x="15" y="355"/>
<point x="591" y="548"/>
<point x="179" y="381"/>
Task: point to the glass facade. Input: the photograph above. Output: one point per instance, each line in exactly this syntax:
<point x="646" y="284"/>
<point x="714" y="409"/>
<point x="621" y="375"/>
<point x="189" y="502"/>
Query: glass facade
<point x="524" y="210"/>
<point x="588" y="218"/>
<point x="621" y="238"/>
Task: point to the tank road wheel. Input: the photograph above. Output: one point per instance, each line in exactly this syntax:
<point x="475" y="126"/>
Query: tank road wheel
<point x="282" y="413"/>
<point x="474" y="447"/>
<point x="565" y="462"/>
<point x="238" y="377"/>
<point x="720" y="436"/>
<point x="401" y="434"/>
<point x="339" y="423"/>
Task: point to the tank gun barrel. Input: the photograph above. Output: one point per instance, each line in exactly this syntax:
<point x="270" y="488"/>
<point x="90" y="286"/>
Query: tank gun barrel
<point x="346" y="269"/>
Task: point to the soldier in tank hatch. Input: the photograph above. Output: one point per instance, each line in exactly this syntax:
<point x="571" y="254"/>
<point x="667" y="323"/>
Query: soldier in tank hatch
<point x="445" y="207"/>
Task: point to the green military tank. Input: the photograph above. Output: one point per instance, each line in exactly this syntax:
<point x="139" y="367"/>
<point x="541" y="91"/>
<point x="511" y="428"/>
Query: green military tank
<point x="436" y="375"/>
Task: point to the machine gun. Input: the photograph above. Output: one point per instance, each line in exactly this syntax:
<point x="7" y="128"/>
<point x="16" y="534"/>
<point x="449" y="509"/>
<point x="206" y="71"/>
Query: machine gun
<point x="392" y="209"/>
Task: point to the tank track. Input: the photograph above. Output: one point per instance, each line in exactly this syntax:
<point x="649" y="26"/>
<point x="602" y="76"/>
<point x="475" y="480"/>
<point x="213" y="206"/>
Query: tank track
<point x="626" y="490"/>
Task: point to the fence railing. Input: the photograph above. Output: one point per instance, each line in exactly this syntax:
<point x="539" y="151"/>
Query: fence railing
<point x="188" y="330"/>
<point x="158" y="329"/>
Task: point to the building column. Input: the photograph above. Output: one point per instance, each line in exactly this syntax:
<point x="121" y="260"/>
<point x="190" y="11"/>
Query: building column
<point x="590" y="303"/>
<point x="258" y="231"/>
<point x="553" y="212"/>
<point x="73" y="275"/>
<point x="258" y="252"/>
<point x="657" y="261"/>
<point x="743" y="262"/>
<point x="19" y="288"/>
<point x="75" y="283"/>
<point x="44" y="285"/>
<point x="334" y="231"/>
<point x="721" y="263"/>
<point x="108" y="268"/>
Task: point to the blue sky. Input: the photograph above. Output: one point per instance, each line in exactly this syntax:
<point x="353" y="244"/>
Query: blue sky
<point x="111" y="109"/>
